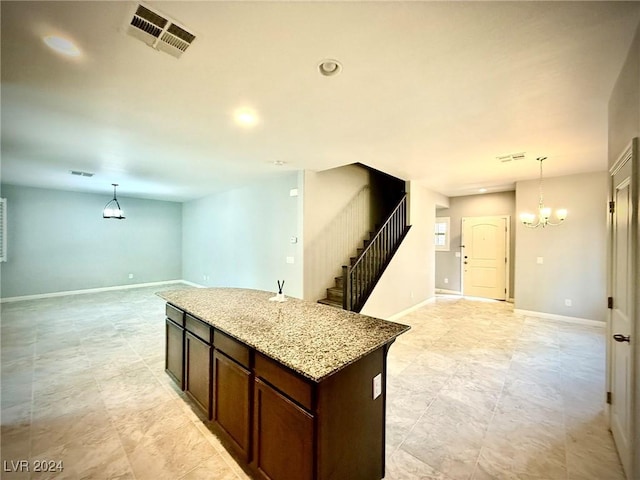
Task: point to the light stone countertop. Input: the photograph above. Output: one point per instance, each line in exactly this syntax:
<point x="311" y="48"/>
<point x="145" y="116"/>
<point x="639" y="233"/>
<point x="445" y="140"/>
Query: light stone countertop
<point x="312" y="339"/>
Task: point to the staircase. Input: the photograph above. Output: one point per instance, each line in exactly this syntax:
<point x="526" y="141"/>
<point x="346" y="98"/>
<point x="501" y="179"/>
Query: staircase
<point x="353" y="287"/>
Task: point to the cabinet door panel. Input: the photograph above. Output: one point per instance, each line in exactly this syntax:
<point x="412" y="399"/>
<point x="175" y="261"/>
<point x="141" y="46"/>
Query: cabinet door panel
<point x="283" y="436"/>
<point x="197" y="384"/>
<point x="174" y="364"/>
<point x="231" y="403"/>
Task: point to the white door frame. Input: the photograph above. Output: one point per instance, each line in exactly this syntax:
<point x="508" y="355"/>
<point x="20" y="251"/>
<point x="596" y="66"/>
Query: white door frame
<point x="507" y="265"/>
<point x="630" y="154"/>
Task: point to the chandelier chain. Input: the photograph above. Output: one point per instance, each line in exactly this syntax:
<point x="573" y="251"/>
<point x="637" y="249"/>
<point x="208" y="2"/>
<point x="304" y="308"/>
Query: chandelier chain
<point x="541" y="159"/>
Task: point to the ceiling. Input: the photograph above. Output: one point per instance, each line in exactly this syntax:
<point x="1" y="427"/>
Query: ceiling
<point x="429" y="91"/>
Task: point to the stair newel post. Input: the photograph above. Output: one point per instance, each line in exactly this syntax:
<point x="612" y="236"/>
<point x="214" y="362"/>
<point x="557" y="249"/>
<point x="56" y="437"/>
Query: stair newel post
<point x="345" y="287"/>
<point x="404" y="214"/>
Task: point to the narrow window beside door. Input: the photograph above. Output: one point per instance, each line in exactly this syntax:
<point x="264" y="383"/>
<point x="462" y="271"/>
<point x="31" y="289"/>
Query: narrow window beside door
<point x="442" y="233"/>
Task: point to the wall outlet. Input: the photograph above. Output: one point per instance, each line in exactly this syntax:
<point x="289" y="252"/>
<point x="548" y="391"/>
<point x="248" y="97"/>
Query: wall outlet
<point x="377" y="386"/>
<point x="446" y="280"/>
<point x="539" y="260"/>
<point x="457" y="254"/>
<point x="131" y="275"/>
<point x="293" y="192"/>
<point x="567" y="302"/>
<point x="289" y="259"/>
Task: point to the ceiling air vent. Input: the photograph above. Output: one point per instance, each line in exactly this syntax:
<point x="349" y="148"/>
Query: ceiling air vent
<point x="80" y="173"/>
<point x="159" y="32"/>
<point x="511" y="157"/>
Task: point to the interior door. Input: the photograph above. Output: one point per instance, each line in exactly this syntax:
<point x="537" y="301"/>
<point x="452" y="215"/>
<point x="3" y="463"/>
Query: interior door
<point x="621" y="315"/>
<point x="485" y="258"/>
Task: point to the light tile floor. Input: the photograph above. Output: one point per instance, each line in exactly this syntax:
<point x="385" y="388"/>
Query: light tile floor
<point x="474" y="392"/>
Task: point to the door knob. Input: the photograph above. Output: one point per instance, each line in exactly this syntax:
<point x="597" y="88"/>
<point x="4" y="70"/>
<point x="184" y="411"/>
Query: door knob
<point x="622" y="338"/>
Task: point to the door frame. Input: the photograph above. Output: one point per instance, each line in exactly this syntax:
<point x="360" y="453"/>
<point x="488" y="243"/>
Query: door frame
<point x="630" y="154"/>
<point x="507" y="265"/>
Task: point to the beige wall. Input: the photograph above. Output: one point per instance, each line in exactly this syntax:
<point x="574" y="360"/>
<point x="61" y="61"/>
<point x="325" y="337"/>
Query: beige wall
<point x="241" y="237"/>
<point x="337" y="217"/>
<point x="489" y="204"/>
<point x="574" y="254"/>
<point x="409" y="279"/>
<point x="624" y="125"/>
<point x="624" y="104"/>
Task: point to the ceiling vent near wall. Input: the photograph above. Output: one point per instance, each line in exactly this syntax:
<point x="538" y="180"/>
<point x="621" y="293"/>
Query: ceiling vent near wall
<point x="511" y="157"/>
<point x="159" y="32"/>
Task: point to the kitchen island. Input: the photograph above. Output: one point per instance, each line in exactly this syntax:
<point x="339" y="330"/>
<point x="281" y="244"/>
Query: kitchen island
<point x="295" y="390"/>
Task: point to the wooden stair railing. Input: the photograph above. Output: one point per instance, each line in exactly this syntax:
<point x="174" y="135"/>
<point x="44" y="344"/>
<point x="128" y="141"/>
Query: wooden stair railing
<point x="359" y="279"/>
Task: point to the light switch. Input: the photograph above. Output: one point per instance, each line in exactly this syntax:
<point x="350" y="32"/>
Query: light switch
<point x="293" y="239"/>
<point x="289" y="259"/>
<point x="377" y="386"/>
<point x="293" y="192"/>
<point x="457" y="254"/>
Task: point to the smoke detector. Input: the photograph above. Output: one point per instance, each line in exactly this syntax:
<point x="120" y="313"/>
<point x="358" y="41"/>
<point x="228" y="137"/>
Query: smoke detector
<point x="329" y="67"/>
<point x="159" y="31"/>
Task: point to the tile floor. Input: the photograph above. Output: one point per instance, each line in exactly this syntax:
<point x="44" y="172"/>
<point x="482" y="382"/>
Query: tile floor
<point x="474" y="392"/>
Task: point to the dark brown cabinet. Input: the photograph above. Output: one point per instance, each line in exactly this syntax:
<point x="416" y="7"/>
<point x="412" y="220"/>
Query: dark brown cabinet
<point x="174" y="344"/>
<point x="283" y="436"/>
<point x="197" y="371"/>
<point x="232" y="402"/>
<point x="279" y="424"/>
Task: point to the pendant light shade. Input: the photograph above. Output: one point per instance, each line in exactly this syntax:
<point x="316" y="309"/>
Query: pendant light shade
<point x="112" y="209"/>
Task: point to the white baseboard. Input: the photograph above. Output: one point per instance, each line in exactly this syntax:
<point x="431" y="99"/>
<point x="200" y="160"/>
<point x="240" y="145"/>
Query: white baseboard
<point x="90" y="290"/>
<point x="448" y="292"/>
<point x="560" y="318"/>
<point x="192" y="284"/>
<point x="397" y="316"/>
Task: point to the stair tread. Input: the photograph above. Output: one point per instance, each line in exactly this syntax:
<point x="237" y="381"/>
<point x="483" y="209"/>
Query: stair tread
<point x="331" y="303"/>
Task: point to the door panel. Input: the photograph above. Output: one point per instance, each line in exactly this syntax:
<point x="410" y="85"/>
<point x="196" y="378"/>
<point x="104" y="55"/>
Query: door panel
<point x="197" y="371"/>
<point x="485" y="254"/>
<point x="283" y="436"/>
<point x="231" y="401"/>
<point x="621" y="314"/>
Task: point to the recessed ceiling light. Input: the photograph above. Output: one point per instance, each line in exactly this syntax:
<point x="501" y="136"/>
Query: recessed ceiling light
<point x="279" y="163"/>
<point x="245" y="117"/>
<point x="62" y="45"/>
<point x="483" y="190"/>
<point x="329" y="67"/>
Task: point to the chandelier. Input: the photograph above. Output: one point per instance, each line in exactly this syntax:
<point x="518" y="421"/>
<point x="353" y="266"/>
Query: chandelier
<point x="112" y="209"/>
<point x="544" y="213"/>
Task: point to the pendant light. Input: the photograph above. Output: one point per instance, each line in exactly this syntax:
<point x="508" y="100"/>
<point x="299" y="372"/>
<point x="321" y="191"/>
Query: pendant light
<point x="112" y="209"/>
<point x="544" y="213"/>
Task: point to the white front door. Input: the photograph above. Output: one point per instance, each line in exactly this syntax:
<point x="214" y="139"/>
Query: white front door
<point x="621" y="277"/>
<point x="484" y="256"/>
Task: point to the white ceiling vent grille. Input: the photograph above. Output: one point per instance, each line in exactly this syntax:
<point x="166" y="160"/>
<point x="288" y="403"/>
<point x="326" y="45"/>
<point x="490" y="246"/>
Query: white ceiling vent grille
<point x="159" y="32"/>
<point x="511" y="157"/>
